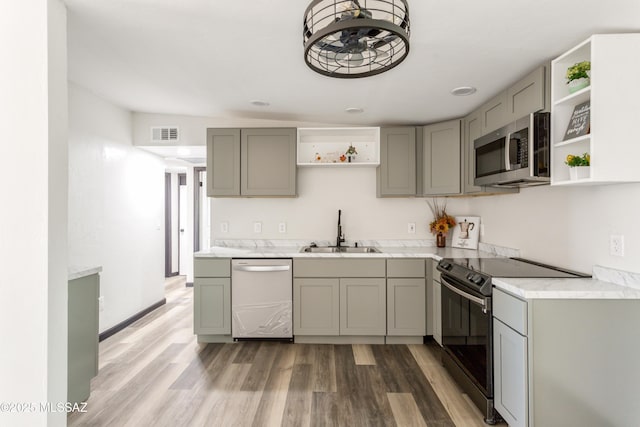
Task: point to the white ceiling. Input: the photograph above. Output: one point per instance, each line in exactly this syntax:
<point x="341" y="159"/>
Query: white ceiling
<point x="211" y="57"/>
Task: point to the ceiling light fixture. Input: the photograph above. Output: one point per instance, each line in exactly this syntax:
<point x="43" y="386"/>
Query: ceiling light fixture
<point x="463" y="91"/>
<point x="351" y="39"/>
<point x="354" y="110"/>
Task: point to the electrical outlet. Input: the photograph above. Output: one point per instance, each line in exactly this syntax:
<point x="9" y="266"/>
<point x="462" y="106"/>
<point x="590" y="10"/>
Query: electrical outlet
<point x="616" y="245"/>
<point x="101" y="303"/>
<point x="224" y="227"/>
<point x="257" y="227"/>
<point x="411" y="228"/>
<point x="282" y="227"/>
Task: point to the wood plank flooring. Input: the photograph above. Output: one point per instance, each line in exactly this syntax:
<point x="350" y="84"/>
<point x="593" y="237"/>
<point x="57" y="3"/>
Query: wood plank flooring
<point x="154" y="373"/>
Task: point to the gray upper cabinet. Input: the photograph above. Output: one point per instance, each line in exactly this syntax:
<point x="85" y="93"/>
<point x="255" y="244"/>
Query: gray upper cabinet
<point x="472" y="130"/>
<point x="527" y="95"/>
<point x="396" y="175"/>
<point x="223" y="162"/>
<point x="251" y="162"/>
<point x="441" y="158"/>
<point x="268" y="166"/>
<point x="493" y="113"/>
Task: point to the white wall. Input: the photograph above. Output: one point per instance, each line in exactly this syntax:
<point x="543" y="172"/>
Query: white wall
<point x="314" y="214"/>
<point x="569" y="227"/>
<point x="33" y="258"/>
<point x="116" y="207"/>
<point x="193" y="130"/>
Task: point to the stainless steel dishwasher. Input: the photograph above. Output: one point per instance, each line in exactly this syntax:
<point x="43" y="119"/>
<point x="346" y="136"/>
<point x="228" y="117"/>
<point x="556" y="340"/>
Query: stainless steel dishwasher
<point x="261" y="299"/>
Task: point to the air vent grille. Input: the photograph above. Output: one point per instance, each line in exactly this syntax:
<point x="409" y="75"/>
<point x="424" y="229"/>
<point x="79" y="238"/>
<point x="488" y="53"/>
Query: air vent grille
<point x="165" y="134"/>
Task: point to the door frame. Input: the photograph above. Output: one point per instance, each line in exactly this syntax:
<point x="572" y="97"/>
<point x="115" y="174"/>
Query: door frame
<point x="197" y="184"/>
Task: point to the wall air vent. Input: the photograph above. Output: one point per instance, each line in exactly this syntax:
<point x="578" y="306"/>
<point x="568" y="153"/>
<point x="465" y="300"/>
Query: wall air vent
<point x="165" y="134"/>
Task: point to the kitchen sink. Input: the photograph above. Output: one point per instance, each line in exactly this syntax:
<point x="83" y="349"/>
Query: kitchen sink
<point x="340" y="249"/>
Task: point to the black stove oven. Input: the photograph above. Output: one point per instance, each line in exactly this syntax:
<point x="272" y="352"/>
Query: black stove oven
<point x="467" y="326"/>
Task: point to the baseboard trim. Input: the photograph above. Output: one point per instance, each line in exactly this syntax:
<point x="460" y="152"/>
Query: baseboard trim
<point x="139" y="315"/>
<point x="189" y="284"/>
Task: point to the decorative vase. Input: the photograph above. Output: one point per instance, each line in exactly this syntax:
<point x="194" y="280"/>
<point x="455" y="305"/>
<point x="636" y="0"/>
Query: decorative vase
<point x="579" y="172"/>
<point x="577" y="84"/>
<point x="441" y="240"/>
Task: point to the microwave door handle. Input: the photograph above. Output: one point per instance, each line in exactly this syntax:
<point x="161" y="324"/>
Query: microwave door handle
<point x="507" y="160"/>
<point x="532" y="156"/>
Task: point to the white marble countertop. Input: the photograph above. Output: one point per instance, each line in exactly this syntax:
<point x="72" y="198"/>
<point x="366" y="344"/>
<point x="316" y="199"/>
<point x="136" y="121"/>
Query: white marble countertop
<point x="606" y="283"/>
<point x="385" y="252"/>
<point x="77" y="272"/>
<point x="578" y="288"/>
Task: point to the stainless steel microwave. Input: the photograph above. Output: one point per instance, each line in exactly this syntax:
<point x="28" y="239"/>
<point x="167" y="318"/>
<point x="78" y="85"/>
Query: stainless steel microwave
<point x="516" y="155"/>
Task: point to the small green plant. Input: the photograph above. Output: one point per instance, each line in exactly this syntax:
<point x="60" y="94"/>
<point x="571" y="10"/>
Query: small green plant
<point x="573" y="161"/>
<point x="578" y="71"/>
<point x="351" y="150"/>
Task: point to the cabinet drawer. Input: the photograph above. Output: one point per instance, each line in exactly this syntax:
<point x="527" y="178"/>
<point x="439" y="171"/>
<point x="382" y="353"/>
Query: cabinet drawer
<point x="351" y="267"/>
<point x="510" y="310"/>
<point x="405" y="268"/>
<point x="212" y="267"/>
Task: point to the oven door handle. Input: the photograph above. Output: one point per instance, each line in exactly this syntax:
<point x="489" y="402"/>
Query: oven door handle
<point x="482" y="302"/>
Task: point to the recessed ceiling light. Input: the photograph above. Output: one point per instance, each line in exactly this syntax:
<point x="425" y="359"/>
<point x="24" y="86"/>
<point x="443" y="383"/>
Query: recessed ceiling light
<point x="354" y="110"/>
<point x="259" y="103"/>
<point x="463" y="91"/>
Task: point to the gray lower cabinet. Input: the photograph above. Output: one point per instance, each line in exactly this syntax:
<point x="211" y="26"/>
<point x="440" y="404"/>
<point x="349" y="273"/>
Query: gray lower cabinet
<point x="436" y="304"/>
<point x="82" y="343"/>
<point x="406" y="307"/>
<point x="212" y="306"/>
<point x="556" y="364"/>
<point x="510" y="374"/>
<point x="316" y="307"/>
<point x="345" y="296"/>
<point x="251" y="162"/>
<point x="396" y="175"/>
<point x="363" y="307"/>
<point x="441" y="150"/>
<point x="406" y="299"/>
<point x="212" y="299"/>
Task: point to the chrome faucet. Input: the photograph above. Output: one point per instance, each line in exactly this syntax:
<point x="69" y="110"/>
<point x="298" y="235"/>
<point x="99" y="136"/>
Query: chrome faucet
<point x="340" y="238"/>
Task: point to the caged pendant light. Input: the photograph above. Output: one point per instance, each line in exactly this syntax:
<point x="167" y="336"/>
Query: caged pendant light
<point x="355" y="38"/>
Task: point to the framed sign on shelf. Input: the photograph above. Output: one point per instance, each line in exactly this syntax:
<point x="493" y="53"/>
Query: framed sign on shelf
<point x="579" y="124"/>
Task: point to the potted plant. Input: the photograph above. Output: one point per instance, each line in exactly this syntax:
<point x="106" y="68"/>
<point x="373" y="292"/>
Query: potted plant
<point x="579" y="166"/>
<point x="351" y="153"/>
<point x="441" y="223"/>
<point x="578" y="76"/>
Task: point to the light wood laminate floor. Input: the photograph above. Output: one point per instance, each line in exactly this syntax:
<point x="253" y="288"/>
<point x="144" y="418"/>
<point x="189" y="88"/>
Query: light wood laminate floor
<point x="154" y="373"/>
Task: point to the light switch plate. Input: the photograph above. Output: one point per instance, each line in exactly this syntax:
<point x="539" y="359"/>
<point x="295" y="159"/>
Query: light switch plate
<point x="224" y="227"/>
<point x="257" y="227"/>
<point x="411" y="228"/>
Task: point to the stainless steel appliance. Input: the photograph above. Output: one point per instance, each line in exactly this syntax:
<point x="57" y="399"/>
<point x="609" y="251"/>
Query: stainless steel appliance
<point x="467" y="327"/>
<point x="261" y="298"/>
<point x="516" y="155"/>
